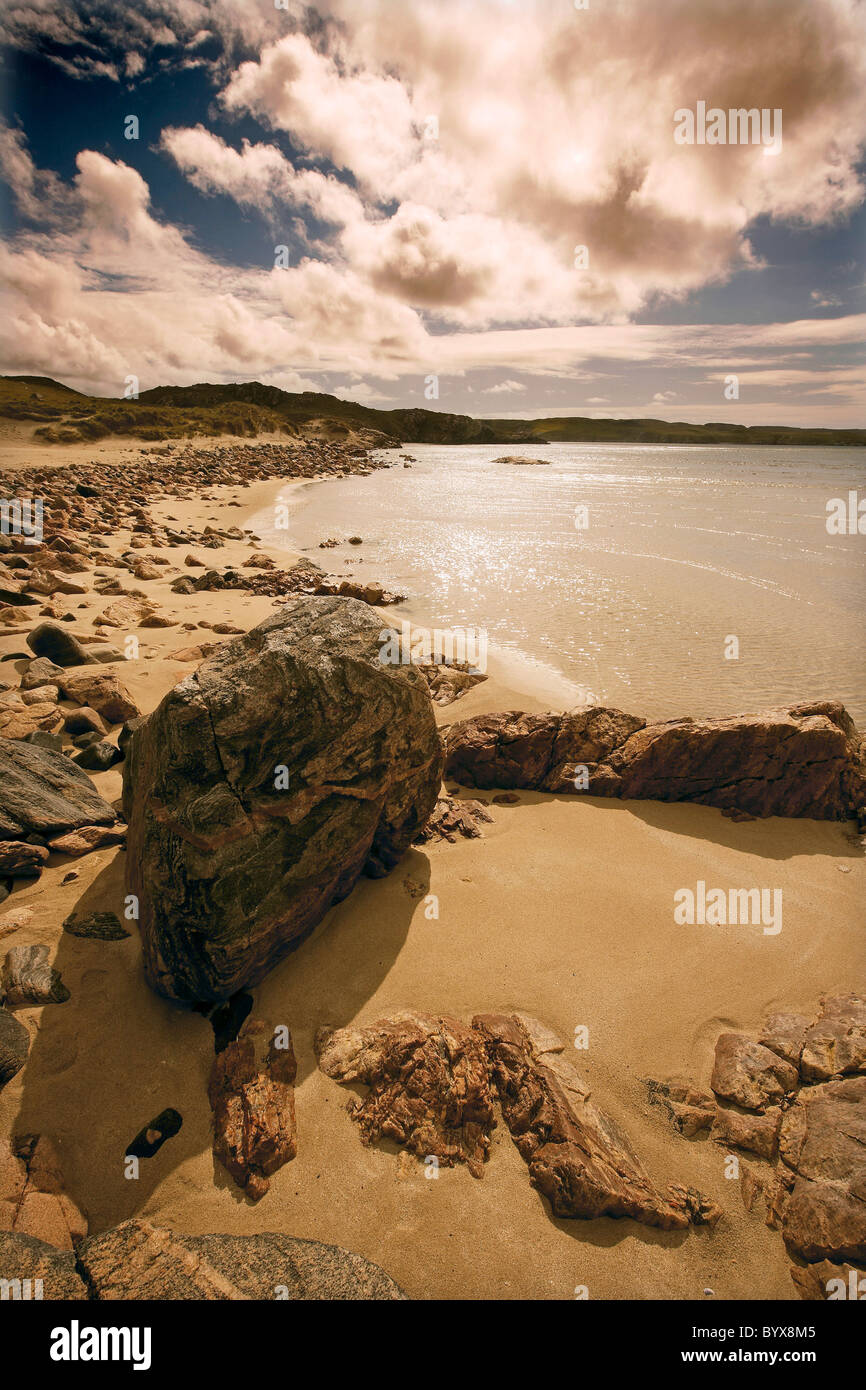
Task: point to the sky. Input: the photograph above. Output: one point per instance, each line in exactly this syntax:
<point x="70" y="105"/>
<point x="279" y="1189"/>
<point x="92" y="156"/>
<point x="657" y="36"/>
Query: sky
<point x="478" y="206"/>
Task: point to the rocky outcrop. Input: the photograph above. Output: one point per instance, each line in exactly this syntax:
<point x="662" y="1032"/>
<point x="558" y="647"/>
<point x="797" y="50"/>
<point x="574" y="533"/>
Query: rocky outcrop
<point x="137" y="1261"/>
<point x="263" y="785"/>
<point x="452" y="819"/>
<point x="749" y="1074"/>
<point x="797" y="1099"/>
<point x="803" y="760"/>
<point x="253" y="1103"/>
<point x="43" y="793"/>
<point x="823" y="1141"/>
<point x="429" y="1085"/>
<point x="577" y="1157"/>
<point x="103" y="692"/>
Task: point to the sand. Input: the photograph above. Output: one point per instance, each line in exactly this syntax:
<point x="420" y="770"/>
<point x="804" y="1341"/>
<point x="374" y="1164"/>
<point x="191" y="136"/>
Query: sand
<point x="563" y="910"/>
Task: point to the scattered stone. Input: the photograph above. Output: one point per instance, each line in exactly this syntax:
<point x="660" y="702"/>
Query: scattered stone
<point x="98" y="756"/>
<point x="88" y="838"/>
<point x="16" y="919"/>
<point x="150" y="1140"/>
<point x="429" y="1085"/>
<point x="43" y="793"/>
<point x="18" y="859"/>
<point x="98" y="926"/>
<point x="84" y="721"/>
<point x="27" y="977"/>
<point x="102" y="692"/>
<point x="59" y="646"/>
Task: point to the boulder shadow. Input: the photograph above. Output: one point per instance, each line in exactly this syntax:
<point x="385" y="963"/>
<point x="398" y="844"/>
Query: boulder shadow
<point x="106" y="1063"/>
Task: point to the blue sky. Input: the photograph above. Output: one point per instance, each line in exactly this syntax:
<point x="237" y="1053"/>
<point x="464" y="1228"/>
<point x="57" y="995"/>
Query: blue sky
<point x="435" y="266"/>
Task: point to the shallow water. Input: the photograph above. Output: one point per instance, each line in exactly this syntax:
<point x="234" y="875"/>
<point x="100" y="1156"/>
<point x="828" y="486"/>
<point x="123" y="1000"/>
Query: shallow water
<point x="683" y="549"/>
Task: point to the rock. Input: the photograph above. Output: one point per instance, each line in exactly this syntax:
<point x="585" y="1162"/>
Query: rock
<point x="448" y="683"/>
<point x="54" y="642"/>
<point x="533" y="751"/>
<point x="98" y="926"/>
<point x="516" y="460"/>
<point x="43" y="739"/>
<point x="451" y="818"/>
<point x="785" y="1034"/>
<point x="16" y="919"/>
<point x="698" y="1209"/>
<point x="27" y="977"/>
<point x="84" y="721"/>
<point x="576" y="1155"/>
<point x="836" y="1044"/>
<point x="829" y="1281"/>
<point x="102" y="692"/>
<point x="21" y="860"/>
<point x="88" y="838"/>
<point x="823" y="1142"/>
<point x="40" y="695"/>
<point x="231" y="870"/>
<point x="253" y="1105"/>
<point x="98" y="756"/>
<point x="150" y="1140"/>
<point x="14" y="1047"/>
<point x="41" y="672"/>
<point x="140" y="1262"/>
<point x="690" y="1111"/>
<point x="18" y="724"/>
<point x="35" y="1269"/>
<point x="749" y="1074"/>
<point x="802" y="760"/>
<point x="429" y="1085"/>
<point x="127" y="612"/>
<point x="758" y="1134"/>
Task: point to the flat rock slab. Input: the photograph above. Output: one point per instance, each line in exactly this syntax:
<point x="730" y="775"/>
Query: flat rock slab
<point x="44" y="793"/>
<point x="141" y="1262"/>
<point x="823" y="1141"/>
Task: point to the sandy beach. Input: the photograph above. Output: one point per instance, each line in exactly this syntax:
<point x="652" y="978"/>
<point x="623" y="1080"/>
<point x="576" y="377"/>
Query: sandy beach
<point x="562" y="910"/>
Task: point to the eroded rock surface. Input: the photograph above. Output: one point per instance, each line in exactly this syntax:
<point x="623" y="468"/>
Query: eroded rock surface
<point x="264" y="784"/>
<point x="801" y="760"/>
<point x="429" y="1085"/>
<point x="575" y="1153"/>
<point x="253" y="1104"/>
<point x="141" y="1262"/>
<point x="750" y="1074"/>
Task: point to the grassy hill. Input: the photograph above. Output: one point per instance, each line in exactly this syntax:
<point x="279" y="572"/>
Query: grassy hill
<point x="246" y="409"/>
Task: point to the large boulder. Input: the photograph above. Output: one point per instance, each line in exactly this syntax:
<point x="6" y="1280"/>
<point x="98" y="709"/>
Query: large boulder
<point x="43" y="793"/>
<point x="264" y="784"/>
<point x="803" y="760"/>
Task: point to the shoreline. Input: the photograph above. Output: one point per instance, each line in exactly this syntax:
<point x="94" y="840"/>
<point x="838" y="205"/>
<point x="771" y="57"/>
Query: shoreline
<point x="562" y="910"/>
